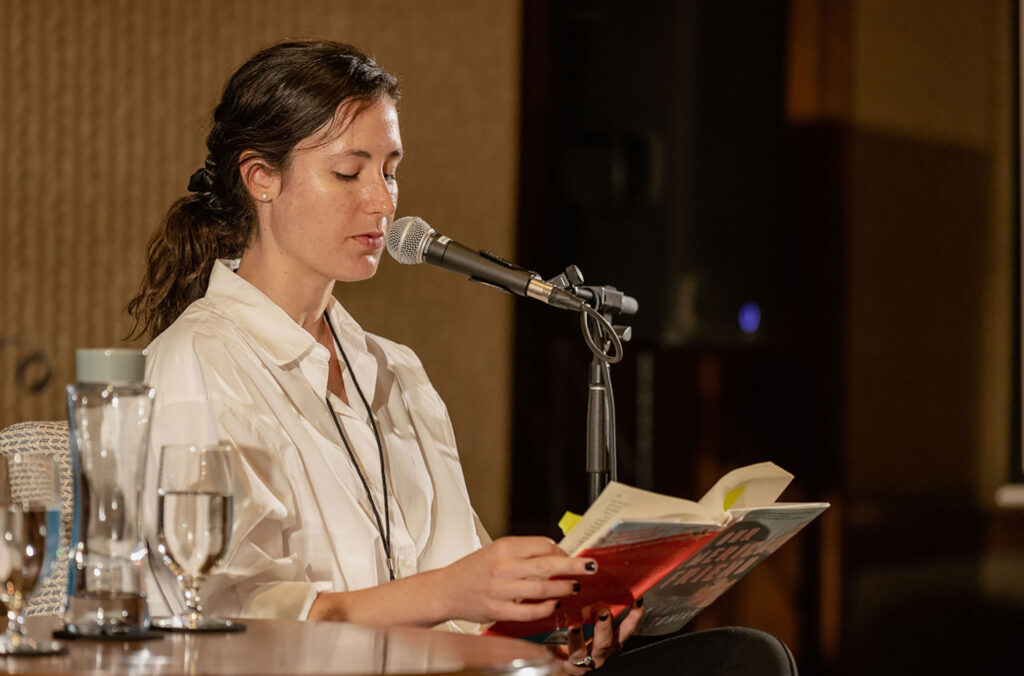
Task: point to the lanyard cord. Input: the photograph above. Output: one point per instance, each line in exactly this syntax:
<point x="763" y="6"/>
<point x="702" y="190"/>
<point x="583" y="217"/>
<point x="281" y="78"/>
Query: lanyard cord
<point x="385" y="531"/>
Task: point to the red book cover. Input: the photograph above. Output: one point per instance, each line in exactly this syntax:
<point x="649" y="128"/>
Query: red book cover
<point x="678" y="554"/>
<point x="629" y="562"/>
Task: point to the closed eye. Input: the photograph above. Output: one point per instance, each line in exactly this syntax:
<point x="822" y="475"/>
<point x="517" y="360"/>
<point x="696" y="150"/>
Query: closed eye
<point x="346" y="177"/>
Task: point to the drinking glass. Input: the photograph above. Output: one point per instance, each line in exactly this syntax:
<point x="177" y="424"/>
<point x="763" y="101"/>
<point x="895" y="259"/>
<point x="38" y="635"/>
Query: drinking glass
<point x="29" y="536"/>
<point x="194" y="514"/>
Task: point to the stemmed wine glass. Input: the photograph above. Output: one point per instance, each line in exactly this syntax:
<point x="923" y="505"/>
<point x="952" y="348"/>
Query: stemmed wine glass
<point x="29" y="537"/>
<point x="194" y="514"/>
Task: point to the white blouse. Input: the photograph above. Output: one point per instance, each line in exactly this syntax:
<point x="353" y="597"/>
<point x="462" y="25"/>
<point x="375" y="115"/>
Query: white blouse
<point x="236" y="367"/>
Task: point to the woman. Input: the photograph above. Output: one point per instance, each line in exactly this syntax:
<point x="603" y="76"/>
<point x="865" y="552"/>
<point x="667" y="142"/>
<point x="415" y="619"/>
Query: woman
<point x="351" y="502"/>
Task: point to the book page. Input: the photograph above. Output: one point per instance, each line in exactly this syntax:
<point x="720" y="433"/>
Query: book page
<point x="751" y="486"/>
<point x="619" y="502"/>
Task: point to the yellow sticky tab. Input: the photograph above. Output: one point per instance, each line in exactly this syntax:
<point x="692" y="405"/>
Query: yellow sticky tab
<point x="732" y="496"/>
<point x="568" y="522"/>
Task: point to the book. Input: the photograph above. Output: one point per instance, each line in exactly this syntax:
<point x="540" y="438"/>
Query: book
<point x="677" y="554"/>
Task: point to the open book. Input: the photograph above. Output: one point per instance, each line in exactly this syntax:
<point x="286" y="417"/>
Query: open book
<point x="678" y="554"/>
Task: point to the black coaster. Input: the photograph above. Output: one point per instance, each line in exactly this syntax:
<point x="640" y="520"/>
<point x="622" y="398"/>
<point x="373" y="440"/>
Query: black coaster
<point x="233" y="628"/>
<point x="148" y="635"/>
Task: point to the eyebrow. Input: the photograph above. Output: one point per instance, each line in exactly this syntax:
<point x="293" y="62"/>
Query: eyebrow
<point x="366" y="154"/>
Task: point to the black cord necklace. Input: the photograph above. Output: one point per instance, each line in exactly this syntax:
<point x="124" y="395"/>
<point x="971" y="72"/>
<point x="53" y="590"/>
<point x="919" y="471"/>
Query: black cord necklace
<point x="383" y="529"/>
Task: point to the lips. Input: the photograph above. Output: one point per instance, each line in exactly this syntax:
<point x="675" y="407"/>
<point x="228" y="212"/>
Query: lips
<point x="371" y="240"/>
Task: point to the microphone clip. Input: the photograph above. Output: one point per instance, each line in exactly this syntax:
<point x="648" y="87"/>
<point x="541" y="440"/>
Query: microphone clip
<point x="607" y="300"/>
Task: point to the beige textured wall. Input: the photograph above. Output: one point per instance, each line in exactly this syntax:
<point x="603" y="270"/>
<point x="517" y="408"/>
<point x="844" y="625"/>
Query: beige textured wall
<point x="931" y="260"/>
<point x="104" y="106"/>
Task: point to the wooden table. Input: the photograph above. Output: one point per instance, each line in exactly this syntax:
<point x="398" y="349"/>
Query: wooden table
<point x="291" y="647"/>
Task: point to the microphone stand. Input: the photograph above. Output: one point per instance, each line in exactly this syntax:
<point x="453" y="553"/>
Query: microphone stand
<point x="600" y="454"/>
<point x="603" y="302"/>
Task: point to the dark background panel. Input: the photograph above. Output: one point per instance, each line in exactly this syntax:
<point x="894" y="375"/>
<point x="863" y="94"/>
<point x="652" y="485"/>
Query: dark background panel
<point x="661" y="153"/>
<point x="656" y="157"/>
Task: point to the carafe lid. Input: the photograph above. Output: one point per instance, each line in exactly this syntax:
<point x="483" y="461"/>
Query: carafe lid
<point x="110" y="365"/>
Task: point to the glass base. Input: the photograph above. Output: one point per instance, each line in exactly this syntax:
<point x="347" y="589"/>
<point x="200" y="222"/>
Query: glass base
<point x="27" y="647"/>
<point x="192" y="623"/>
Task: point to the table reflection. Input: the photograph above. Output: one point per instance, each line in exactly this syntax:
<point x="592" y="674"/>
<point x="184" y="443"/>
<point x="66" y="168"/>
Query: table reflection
<point x="290" y="647"/>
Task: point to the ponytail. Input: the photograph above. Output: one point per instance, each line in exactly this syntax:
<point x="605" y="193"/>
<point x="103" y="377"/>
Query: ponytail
<point x="179" y="259"/>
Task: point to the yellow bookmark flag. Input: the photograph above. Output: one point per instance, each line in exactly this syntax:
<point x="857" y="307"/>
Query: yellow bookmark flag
<point x="732" y="496"/>
<point x="568" y="522"/>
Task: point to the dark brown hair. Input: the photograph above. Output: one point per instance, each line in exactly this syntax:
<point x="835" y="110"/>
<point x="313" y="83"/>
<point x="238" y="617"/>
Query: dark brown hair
<point x="281" y="95"/>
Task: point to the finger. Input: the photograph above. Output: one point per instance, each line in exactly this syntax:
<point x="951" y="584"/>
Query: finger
<point x="561" y="653"/>
<point x="577" y="644"/>
<point x="578" y="654"/>
<point x="631" y="620"/>
<point x="522" y="612"/>
<point x="604" y="643"/>
<point x="534" y="589"/>
<point x="547" y="566"/>
<point x="570" y="668"/>
<point x="526" y="546"/>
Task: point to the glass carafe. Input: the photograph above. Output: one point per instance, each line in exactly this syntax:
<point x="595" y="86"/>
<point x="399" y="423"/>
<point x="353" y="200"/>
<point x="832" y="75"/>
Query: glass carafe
<point x="109" y="409"/>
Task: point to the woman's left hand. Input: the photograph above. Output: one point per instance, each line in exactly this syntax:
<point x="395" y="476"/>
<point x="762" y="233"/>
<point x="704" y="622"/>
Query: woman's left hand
<point x="581" y="655"/>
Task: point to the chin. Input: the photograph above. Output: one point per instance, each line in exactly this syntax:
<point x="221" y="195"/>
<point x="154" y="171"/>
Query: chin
<point x="361" y="270"/>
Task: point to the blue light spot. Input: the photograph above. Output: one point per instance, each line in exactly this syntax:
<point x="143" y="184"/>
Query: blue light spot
<point x="750" y="317"/>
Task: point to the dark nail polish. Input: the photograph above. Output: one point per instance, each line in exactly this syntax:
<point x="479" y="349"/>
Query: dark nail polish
<point x="558" y="604"/>
<point x="575" y="587"/>
<point x="574" y="630"/>
<point x="603" y="617"/>
<point x="591" y="566"/>
<point x="640" y="602"/>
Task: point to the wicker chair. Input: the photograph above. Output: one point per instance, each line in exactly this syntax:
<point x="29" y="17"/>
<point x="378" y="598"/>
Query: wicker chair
<point x="48" y="437"/>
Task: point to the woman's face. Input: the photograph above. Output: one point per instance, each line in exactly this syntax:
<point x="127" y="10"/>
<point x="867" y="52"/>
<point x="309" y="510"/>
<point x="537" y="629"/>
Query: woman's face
<point x="337" y="198"/>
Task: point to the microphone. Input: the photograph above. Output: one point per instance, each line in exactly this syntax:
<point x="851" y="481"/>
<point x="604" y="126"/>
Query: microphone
<point x="412" y="241"/>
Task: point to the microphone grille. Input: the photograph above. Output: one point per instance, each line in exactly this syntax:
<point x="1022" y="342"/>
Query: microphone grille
<point x="406" y="238"/>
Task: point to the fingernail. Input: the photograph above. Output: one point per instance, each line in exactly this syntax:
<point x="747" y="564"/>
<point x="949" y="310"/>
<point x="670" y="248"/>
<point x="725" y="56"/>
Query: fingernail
<point x="575" y="587"/>
<point x="640" y="602"/>
<point x="558" y="604"/>
<point x="603" y="616"/>
<point x="591" y="566"/>
<point x="574" y="630"/>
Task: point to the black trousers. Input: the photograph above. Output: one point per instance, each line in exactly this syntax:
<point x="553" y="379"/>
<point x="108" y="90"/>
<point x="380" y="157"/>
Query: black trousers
<point x="712" y="652"/>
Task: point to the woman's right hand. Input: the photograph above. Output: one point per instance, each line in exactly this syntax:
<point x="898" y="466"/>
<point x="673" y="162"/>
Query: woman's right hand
<point x="509" y="579"/>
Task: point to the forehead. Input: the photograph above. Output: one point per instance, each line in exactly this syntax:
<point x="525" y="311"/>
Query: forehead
<point x="358" y="125"/>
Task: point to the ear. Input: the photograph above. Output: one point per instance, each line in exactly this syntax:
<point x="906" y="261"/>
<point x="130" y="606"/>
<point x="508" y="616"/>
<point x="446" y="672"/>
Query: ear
<point x="261" y="180"/>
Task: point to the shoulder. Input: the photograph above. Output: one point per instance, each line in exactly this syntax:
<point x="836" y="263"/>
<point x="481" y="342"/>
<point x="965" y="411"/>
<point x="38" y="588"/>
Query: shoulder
<point x="397" y="354"/>
<point x="393" y="353"/>
<point x="198" y="331"/>
<point x="198" y="340"/>
<point x="406" y="366"/>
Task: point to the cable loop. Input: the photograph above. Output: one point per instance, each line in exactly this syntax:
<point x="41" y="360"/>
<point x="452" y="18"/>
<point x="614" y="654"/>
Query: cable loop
<point x="606" y="334"/>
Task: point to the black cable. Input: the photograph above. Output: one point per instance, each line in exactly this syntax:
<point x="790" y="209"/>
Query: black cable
<point x="385" y="532"/>
<point x="613" y="461"/>
<point x="605" y="328"/>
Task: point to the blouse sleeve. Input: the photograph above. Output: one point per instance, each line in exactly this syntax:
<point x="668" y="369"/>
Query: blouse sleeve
<point x="259" y="577"/>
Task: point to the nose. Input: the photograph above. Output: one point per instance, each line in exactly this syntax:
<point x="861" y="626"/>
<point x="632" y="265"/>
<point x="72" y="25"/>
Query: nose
<point x="382" y="196"/>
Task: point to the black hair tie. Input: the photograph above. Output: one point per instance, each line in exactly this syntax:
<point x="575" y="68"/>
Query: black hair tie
<point x="201" y="182"/>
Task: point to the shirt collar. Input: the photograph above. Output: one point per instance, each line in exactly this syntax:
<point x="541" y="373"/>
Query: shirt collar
<point x="280" y="336"/>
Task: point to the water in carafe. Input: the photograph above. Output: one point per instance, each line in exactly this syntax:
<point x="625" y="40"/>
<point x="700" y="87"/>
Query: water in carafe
<point x="109" y="409"/>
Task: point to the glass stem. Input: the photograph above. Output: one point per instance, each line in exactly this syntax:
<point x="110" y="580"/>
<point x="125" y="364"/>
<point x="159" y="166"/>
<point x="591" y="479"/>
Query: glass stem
<point x="193" y="604"/>
<point x="15" y="620"/>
